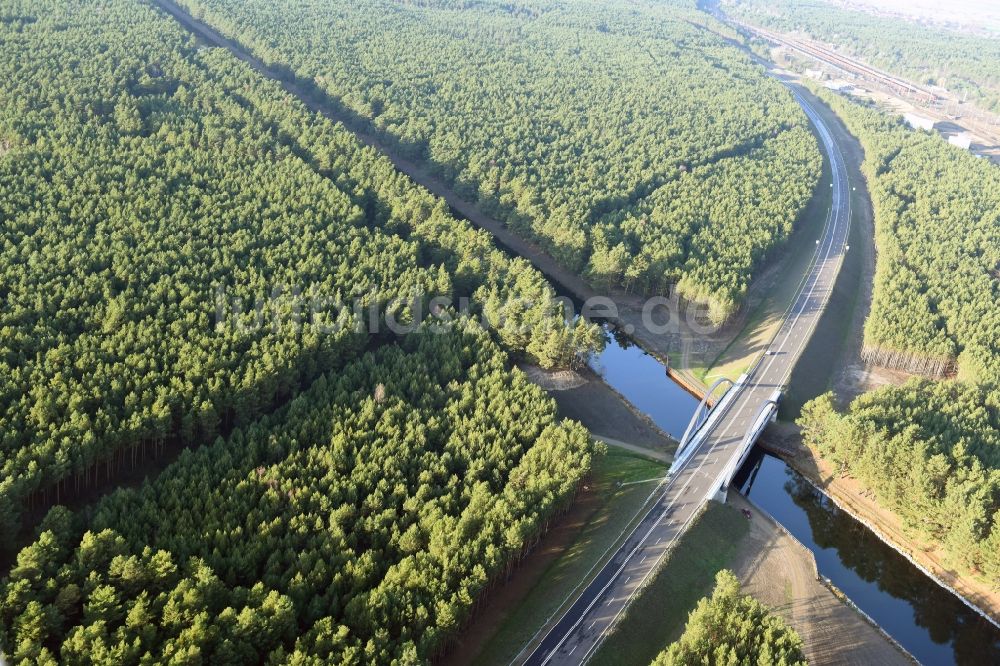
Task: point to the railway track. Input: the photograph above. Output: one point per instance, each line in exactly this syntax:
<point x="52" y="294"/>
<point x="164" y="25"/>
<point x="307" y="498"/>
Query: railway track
<point x="843" y="63"/>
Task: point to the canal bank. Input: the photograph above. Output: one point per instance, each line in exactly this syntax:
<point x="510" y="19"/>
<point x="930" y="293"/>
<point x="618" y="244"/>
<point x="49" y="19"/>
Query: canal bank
<point x="850" y="496"/>
<point x="883" y="578"/>
<point x="625" y="383"/>
<point x="780" y="571"/>
<point x="928" y="620"/>
<point x="903" y="598"/>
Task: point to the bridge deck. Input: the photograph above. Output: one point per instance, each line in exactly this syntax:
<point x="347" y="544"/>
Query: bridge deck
<point x="581" y="629"/>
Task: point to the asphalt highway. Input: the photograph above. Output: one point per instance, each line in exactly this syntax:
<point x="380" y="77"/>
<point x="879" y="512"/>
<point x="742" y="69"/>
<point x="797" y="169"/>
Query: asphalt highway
<point x="582" y="628"/>
<point x="580" y="631"/>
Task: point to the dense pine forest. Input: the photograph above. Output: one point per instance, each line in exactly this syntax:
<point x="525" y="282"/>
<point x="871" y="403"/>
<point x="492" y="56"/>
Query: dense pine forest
<point x="733" y="628"/>
<point x="594" y="129"/>
<point x="936" y="300"/>
<point x="960" y="61"/>
<point x="148" y="185"/>
<point x="930" y="450"/>
<point x="358" y="491"/>
<point x="195" y="263"/>
<point x="931" y="453"/>
<point x="359" y="525"/>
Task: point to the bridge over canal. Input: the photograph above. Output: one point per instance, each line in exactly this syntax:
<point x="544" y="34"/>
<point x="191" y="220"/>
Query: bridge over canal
<point x="712" y="449"/>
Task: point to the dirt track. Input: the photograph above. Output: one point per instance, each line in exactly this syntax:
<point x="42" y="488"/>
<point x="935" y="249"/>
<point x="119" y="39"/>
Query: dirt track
<point x="671" y="347"/>
<point x="317" y="102"/>
<point x="780" y="572"/>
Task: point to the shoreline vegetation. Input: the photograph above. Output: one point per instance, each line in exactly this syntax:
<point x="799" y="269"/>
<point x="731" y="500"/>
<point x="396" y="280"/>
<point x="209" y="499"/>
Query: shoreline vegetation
<point x="306" y="450"/>
<point x="923" y="191"/>
<point x="728" y="627"/>
<point x="236" y="528"/>
<point x="952" y="441"/>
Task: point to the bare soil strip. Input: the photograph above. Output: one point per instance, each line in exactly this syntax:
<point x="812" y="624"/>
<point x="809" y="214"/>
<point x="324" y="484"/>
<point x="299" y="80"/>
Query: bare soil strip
<point x="780" y="572"/>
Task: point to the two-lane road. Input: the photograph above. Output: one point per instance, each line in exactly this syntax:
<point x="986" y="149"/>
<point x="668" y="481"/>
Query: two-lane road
<point x="578" y="633"/>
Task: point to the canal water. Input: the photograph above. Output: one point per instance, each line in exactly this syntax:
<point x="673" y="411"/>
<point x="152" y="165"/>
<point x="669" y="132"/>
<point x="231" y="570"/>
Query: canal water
<point x="934" y="625"/>
<point x="644" y="382"/>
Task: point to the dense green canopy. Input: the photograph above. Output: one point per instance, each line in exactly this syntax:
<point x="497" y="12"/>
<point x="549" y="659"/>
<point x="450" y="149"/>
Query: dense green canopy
<point x="140" y="174"/>
<point x="638" y="147"/>
<point x="358" y="525"/>
<point x="929" y="450"/>
<point x="936" y="300"/>
<point x="931" y="453"/>
<point x="733" y="628"/>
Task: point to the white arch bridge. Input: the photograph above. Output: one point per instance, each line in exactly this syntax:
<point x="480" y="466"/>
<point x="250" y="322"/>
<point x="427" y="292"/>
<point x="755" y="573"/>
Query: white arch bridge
<point x="703" y="421"/>
<point x="711" y="451"/>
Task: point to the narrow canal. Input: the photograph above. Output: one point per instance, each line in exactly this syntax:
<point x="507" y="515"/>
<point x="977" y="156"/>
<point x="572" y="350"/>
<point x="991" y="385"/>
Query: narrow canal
<point x="929" y="621"/>
<point x="643" y="381"/>
<point x="933" y="624"/>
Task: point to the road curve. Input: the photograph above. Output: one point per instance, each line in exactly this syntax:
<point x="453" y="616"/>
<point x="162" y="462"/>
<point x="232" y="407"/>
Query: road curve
<point x="580" y="631"/>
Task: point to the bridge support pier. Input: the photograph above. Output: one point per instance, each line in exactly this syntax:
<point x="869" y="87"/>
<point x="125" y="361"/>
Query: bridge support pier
<point x="768" y="413"/>
<point x="721" y="494"/>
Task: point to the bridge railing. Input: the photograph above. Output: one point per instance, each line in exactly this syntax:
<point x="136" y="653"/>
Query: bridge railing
<point x="684" y="452"/>
<point x="699" y="416"/>
<point x="767" y="413"/>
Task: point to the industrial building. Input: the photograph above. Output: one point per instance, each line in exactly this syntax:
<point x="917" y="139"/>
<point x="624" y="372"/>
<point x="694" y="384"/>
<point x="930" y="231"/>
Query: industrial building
<point x="919" y="122"/>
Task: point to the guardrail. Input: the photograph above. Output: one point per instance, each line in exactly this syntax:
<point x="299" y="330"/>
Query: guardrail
<point x="717" y="412"/>
<point x="767" y="413"/>
<point x="698" y="418"/>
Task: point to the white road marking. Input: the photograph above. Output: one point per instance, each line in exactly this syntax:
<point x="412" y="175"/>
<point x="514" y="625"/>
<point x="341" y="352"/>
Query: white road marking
<point x="744" y="397"/>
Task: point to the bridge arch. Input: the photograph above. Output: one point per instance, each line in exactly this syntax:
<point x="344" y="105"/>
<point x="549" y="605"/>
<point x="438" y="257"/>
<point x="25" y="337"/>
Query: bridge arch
<point x="769" y="407"/>
<point x="700" y="415"/>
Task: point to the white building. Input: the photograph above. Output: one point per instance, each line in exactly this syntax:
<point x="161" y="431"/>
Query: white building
<point x="839" y="86"/>
<point x="815" y="74"/>
<point x="963" y="140"/>
<point x="919" y="122"/>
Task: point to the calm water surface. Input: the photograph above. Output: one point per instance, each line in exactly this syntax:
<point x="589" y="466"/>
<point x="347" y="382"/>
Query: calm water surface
<point x="930" y="622"/>
<point x="644" y="382"/>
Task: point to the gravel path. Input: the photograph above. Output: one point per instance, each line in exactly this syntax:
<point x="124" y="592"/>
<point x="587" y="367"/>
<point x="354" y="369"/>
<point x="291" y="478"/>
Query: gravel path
<point x="780" y="572"/>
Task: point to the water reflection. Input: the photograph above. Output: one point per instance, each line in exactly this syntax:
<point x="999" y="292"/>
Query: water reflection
<point x="644" y="382"/>
<point x="930" y="622"/>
